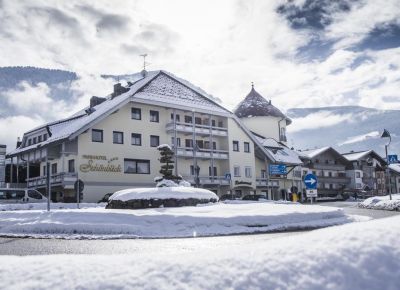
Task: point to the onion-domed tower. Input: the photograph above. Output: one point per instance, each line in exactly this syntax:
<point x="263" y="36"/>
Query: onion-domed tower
<point x="261" y="117"/>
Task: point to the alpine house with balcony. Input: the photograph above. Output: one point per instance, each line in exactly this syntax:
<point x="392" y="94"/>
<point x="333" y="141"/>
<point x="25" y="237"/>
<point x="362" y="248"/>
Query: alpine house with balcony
<point x="112" y="144"/>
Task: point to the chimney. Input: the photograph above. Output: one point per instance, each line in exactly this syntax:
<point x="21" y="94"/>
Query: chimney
<point x="18" y="142"/>
<point x="94" y="101"/>
<point x="118" y="90"/>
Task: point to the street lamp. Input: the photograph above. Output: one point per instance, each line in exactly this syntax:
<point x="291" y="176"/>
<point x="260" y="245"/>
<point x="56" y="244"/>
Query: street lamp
<point x="386" y="134"/>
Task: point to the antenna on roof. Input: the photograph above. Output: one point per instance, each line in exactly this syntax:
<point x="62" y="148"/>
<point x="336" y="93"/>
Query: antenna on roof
<point x="252" y="85"/>
<point x="144" y="60"/>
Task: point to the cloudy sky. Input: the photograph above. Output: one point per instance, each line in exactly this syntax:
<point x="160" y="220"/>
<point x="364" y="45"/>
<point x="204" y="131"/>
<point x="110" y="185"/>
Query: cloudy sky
<point x="298" y="53"/>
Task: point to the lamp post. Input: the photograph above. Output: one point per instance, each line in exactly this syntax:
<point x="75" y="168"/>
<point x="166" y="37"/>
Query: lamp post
<point x="386" y="134"/>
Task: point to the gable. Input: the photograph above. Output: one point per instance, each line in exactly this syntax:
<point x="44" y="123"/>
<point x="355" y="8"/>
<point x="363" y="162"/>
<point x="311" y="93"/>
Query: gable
<point x="169" y="90"/>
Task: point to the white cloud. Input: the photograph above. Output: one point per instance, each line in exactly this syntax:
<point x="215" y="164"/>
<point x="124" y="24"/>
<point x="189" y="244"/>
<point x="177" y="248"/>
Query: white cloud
<point x="360" y="138"/>
<point x="318" y="120"/>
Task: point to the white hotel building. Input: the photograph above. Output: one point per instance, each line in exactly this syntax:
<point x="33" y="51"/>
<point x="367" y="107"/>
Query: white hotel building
<point x="111" y="145"/>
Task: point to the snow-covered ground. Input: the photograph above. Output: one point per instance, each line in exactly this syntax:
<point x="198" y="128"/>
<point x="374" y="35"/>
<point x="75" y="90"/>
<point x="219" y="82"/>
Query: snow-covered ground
<point x="179" y="192"/>
<point x="382" y="202"/>
<point x="43" y="206"/>
<point x="357" y="256"/>
<point x="206" y="220"/>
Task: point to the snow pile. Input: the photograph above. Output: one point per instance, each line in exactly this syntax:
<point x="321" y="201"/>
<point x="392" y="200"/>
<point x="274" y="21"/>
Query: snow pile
<point x="179" y="192"/>
<point x="43" y="206"/>
<point x="382" y="202"/>
<point x="355" y="256"/>
<point x="209" y="220"/>
<point x="169" y="183"/>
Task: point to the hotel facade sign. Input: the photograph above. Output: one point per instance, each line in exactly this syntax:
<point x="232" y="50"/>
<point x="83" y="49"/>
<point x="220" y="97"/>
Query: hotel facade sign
<point x="99" y="163"/>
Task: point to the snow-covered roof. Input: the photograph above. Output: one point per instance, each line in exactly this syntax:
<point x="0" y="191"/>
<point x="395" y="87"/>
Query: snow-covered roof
<point x="311" y="153"/>
<point x="395" y="167"/>
<point x="256" y="105"/>
<point x="159" y="86"/>
<point x="280" y="152"/>
<point x="354" y="156"/>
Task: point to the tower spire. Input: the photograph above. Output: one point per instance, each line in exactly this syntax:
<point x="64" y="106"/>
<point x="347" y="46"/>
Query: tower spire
<point x="252" y="85"/>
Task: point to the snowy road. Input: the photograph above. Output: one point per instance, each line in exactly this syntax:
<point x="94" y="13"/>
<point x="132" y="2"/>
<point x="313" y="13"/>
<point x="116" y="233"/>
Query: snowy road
<point x="15" y="246"/>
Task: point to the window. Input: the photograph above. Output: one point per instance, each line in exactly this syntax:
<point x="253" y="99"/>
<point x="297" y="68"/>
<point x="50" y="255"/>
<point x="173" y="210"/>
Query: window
<point x="210" y="171"/>
<point x="197" y="120"/>
<point x="236" y="171"/>
<point x="246" y="147"/>
<point x="177" y="117"/>
<point x="188" y="143"/>
<point x="71" y="165"/>
<point x="200" y="144"/>
<point x="358" y="175"/>
<point x="34" y="194"/>
<point x="235" y="145"/>
<point x="154" y="140"/>
<point x="188" y="119"/>
<point x="191" y="170"/>
<point x="154" y="116"/>
<point x="29" y="142"/>
<point x="136" y="114"/>
<point x="263" y="173"/>
<point x="34" y="140"/>
<point x="247" y="172"/>
<point x="44" y="137"/>
<point x="330" y="174"/>
<point x="39" y="138"/>
<point x="118" y="137"/>
<point x="136" y="139"/>
<point x="220" y="124"/>
<point x="44" y="170"/>
<point x="178" y="141"/>
<point x="213" y="123"/>
<point x="97" y="135"/>
<point x="54" y="168"/>
<point x="136" y="166"/>
<point x="316" y="160"/>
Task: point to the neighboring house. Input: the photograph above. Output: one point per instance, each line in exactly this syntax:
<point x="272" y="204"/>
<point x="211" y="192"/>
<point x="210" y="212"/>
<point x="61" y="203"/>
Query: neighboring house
<point x="367" y="172"/>
<point x="394" y="177"/>
<point x="112" y="144"/>
<point x="2" y="164"/>
<point x="330" y="168"/>
<point x="268" y="125"/>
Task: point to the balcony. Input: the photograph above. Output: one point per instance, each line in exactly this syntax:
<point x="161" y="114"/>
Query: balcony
<point x="201" y="130"/>
<point x="208" y="180"/>
<point x="334" y="179"/>
<point x="59" y="179"/>
<point x="202" y="153"/>
<point x="264" y="182"/>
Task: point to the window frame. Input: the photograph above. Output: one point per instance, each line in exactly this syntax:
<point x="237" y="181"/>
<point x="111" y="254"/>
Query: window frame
<point x="71" y="161"/>
<point x="132" y="113"/>
<point x="239" y="171"/>
<point x="137" y="135"/>
<point x="234" y="142"/>
<point x="102" y="135"/>
<point x="248" y="147"/>
<point x="248" y="169"/>
<point x="158" y="140"/>
<point x="136" y="165"/>
<point x="122" y="134"/>
<point x="154" y="113"/>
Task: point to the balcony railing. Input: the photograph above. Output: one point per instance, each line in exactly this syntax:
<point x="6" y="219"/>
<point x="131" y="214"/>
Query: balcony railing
<point x="199" y="129"/>
<point x="334" y="179"/>
<point x="208" y="180"/>
<point x="62" y="178"/>
<point x="264" y="182"/>
<point x="202" y="153"/>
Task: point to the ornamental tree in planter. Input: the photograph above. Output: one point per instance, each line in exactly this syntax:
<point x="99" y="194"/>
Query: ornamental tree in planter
<point x="168" y="179"/>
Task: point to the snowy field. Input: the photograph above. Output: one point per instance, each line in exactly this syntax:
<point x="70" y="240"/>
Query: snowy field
<point x="206" y="220"/>
<point x="382" y="202"/>
<point x="353" y="256"/>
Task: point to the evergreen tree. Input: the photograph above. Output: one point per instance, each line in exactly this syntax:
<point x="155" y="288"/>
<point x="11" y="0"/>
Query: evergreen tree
<point x="167" y="164"/>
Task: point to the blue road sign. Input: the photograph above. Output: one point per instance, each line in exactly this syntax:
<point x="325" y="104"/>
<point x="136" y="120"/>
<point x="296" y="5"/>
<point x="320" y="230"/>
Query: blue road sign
<point x="228" y="176"/>
<point x="310" y="180"/>
<point x="392" y="159"/>
<point x="277" y="169"/>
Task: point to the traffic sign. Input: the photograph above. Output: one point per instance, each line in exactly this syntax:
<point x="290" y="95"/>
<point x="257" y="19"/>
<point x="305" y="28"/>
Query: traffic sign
<point x="311" y="181"/>
<point x="277" y="169"/>
<point x="228" y="176"/>
<point x="311" y="193"/>
<point x="392" y="159"/>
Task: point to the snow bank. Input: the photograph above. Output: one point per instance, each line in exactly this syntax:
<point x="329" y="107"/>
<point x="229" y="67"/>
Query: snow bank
<point x="382" y="202"/>
<point x="209" y="220"/>
<point x="180" y="192"/>
<point x="43" y="206"/>
<point x="355" y="256"/>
